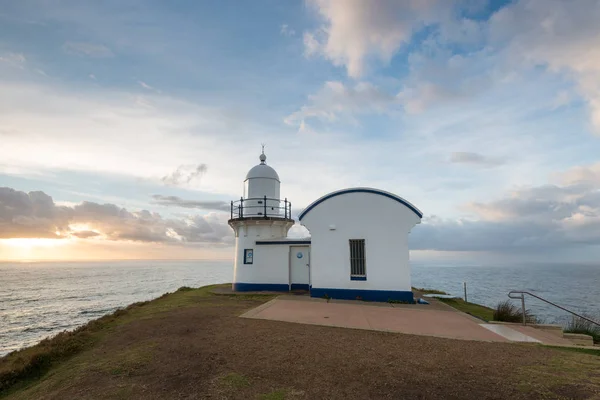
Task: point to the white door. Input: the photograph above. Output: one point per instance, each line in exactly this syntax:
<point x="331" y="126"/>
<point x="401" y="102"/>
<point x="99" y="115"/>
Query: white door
<point x="299" y="264"/>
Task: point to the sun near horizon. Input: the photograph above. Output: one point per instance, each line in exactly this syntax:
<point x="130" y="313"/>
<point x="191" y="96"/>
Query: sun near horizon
<point x="36" y="249"/>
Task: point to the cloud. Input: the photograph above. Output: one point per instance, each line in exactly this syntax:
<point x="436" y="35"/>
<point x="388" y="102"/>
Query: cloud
<point x="145" y="85"/>
<point x="336" y="99"/>
<point x="460" y="56"/>
<point x="179" y="202"/>
<point x="88" y="49"/>
<point x="439" y="76"/>
<point x="312" y="46"/>
<point x="354" y="31"/>
<point x="436" y="77"/>
<point x="176" y="133"/>
<point x="35" y="215"/>
<point x="557" y="36"/>
<point x="285" y="30"/>
<point x="586" y="175"/>
<point x="464" y="157"/>
<point x="184" y="174"/>
<point x="538" y="218"/>
<point x="31" y="215"/>
<point x="85" y="234"/>
<point x="13" y="59"/>
<point x="148" y="87"/>
<point x="558" y="216"/>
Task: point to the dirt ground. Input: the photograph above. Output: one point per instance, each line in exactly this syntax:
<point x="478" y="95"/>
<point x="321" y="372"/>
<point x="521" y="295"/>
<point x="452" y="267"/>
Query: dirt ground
<point x="202" y="350"/>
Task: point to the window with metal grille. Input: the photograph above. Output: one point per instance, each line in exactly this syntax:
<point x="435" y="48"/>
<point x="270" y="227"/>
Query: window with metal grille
<point x="358" y="268"/>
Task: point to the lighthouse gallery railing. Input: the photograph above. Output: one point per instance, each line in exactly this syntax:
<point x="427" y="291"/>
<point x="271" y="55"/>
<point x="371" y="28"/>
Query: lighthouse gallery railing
<point x="264" y="207"/>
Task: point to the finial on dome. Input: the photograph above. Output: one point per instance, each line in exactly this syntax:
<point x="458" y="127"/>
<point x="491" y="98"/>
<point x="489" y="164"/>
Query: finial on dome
<point x="263" y="157"/>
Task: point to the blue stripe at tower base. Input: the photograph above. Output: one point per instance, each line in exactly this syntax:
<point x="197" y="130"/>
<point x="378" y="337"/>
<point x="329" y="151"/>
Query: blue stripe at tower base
<point x="260" y="287"/>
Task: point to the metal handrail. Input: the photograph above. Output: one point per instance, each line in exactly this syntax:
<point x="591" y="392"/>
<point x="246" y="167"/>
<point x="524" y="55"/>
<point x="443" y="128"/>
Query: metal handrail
<point x="264" y="207"/>
<point x="522" y="298"/>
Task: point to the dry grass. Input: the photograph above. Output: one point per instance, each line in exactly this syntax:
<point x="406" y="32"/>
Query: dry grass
<point x="191" y="344"/>
<point x="33" y="362"/>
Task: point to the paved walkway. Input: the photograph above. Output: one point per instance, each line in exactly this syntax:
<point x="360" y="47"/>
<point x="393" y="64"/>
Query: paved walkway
<point x="410" y="319"/>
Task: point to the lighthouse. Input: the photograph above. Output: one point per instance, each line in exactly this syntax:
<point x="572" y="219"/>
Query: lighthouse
<point x="357" y="249"/>
<point x="259" y="218"/>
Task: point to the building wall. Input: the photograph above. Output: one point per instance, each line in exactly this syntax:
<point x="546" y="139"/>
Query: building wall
<point x="270" y="267"/>
<point x="384" y="224"/>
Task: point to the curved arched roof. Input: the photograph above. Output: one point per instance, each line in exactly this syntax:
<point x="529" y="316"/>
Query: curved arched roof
<point x="360" y="190"/>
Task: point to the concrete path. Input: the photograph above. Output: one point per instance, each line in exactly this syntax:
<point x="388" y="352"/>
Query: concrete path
<point x="445" y="322"/>
<point x="421" y="321"/>
<point x="509" y="333"/>
<point x="542" y="336"/>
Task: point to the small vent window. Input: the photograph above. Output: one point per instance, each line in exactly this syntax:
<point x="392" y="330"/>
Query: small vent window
<point x="358" y="267"/>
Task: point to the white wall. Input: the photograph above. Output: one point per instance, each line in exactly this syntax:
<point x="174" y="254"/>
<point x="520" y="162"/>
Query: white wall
<point x="384" y="224"/>
<point x="271" y="262"/>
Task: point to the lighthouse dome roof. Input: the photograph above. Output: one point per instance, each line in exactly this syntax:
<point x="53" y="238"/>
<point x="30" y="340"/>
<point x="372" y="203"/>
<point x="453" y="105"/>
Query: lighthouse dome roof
<point x="262" y="170"/>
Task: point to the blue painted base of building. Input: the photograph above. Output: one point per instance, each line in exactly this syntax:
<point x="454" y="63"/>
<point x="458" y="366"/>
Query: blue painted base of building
<point x="300" y="286"/>
<point x="358" y="294"/>
<point x="260" y="287"/>
<point x="268" y="287"/>
<point x="344" y="294"/>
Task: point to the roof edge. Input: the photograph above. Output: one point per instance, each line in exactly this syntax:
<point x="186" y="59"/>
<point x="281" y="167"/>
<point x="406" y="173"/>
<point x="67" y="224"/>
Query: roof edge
<point x="360" y="190"/>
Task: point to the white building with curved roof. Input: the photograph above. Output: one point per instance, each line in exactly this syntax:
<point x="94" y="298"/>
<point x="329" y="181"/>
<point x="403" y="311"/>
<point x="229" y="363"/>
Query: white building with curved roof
<point x="358" y="247"/>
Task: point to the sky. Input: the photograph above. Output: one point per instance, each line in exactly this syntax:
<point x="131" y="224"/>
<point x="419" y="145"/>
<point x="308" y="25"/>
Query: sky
<point x="127" y="127"/>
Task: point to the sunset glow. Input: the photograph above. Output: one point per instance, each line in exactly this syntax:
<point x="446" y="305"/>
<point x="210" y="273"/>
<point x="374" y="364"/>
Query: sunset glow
<point x="32" y="244"/>
<point x="127" y="131"/>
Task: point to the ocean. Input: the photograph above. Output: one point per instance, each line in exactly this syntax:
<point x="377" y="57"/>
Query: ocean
<point x="40" y="299"/>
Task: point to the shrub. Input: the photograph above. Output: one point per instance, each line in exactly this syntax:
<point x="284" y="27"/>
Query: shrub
<point x="580" y="325"/>
<point x="506" y="311"/>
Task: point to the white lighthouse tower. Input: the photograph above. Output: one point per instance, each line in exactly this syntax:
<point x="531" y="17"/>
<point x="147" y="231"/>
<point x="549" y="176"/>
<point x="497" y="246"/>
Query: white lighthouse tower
<point x="258" y="219"/>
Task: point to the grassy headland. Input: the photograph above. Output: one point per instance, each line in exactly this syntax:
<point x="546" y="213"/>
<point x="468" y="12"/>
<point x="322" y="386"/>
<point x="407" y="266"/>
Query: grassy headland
<point x="191" y="344"/>
<point x="476" y="310"/>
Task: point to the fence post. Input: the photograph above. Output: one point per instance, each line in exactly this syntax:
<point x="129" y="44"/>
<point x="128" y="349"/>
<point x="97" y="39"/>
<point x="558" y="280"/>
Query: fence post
<point x="285" y="212"/>
<point x="231" y="209"/>
<point x="465" y="288"/>
<point x="241" y="213"/>
<point x="523" y="308"/>
<point x="265" y="206"/>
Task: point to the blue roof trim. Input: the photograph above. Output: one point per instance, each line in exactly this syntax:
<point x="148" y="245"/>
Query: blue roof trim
<point x="259" y="242"/>
<point x="360" y="190"/>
